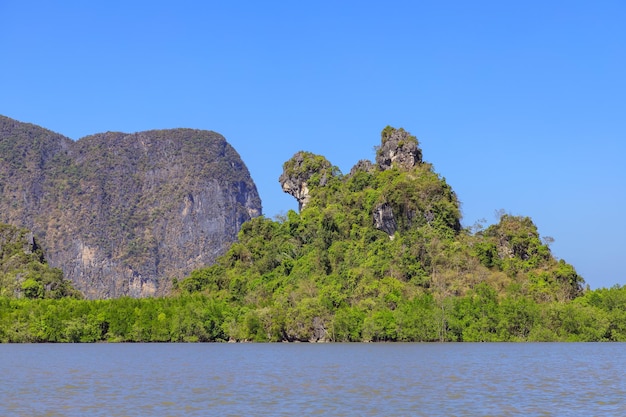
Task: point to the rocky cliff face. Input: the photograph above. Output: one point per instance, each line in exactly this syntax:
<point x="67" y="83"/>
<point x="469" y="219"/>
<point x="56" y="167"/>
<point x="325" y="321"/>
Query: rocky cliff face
<point x="302" y="171"/>
<point x="407" y="199"/>
<point x="123" y="214"/>
<point x="398" y="147"/>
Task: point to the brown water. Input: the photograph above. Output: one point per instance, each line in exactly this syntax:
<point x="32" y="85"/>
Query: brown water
<point x="549" y="379"/>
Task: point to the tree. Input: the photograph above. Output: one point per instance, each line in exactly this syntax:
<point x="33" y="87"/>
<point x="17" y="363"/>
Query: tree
<point x="32" y="288"/>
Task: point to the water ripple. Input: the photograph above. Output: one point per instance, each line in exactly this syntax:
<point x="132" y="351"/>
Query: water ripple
<point x="548" y="379"/>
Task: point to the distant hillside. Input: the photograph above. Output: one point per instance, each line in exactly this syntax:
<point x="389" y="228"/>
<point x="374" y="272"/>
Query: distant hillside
<point x="123" y="214"/>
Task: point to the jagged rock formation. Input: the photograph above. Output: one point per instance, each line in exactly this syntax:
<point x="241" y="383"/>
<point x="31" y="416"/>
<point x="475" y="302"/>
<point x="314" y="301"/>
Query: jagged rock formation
<point x="363" y="166"/>
<point x="123" y="214"/>
<point x="398" y="147"/>
<point x="303" y="170"/>
<point x="384" y="219"/>
<point x="403" y="203"/>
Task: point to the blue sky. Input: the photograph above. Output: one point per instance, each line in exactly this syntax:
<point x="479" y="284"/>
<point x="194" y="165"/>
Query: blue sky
<point x="521" y="106"/>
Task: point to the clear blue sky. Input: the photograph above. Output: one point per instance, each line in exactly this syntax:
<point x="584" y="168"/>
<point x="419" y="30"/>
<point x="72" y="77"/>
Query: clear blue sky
<point x="520" y="105"/>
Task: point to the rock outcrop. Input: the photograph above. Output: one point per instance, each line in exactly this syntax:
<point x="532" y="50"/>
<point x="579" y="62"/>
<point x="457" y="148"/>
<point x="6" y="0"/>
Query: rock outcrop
<point x="384" y="219"/>
<point x="397" y="207"/>
<point x="302" y="171"/>
<point x="398" y="147"/>
<point x="363" y="166"/>
<point x="405" y="201"/>
<point x="123" y="214"/>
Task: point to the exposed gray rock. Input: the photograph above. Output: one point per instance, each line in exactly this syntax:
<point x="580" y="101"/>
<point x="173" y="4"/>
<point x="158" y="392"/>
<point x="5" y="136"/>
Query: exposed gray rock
<point x="384" y="219"/>
<point x="319" y="334"/>
<point x="363" y="165"/>
<point x="302" y="171"/>
<point x="398" y="147"/>
<point x="298" y="189"/>
<point x="123" y="214"/>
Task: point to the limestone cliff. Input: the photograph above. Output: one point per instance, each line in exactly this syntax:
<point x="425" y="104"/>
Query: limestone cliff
<point x="123" y="214"/>
<point x="302" y="171"/>
<point x="411" y="195"/>
<point x="398" y="147"/>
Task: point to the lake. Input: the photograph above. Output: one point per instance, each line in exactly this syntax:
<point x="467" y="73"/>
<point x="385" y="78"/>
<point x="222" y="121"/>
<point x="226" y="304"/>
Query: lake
<point x="455" y="379"/>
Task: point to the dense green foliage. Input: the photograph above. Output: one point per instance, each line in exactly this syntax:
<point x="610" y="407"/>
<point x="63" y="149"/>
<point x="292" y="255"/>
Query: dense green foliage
<point x="376" y="255"/>
<point x="24" y="271"/>
<point x="480" y="315"/>
<point x="187" y="319"/>
<point x="335" y="272"/>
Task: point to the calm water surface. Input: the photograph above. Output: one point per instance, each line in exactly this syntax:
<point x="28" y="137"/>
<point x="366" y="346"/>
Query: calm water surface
<point x="543" y="379"/>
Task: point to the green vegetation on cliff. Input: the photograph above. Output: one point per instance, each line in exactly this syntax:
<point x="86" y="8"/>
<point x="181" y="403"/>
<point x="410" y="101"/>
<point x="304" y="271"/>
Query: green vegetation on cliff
<point x="378" y="254"/>
<point x="24" y="271"/>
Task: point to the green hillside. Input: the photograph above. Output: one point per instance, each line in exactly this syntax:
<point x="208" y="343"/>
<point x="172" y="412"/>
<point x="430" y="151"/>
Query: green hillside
<point x="380" y="254"/>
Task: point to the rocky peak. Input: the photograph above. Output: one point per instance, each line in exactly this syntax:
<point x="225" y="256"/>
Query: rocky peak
<point x="302" y="171"/>
<point x="363" y="166"/>
<point x="122" y="214"/>
<point x="398" y="147"/>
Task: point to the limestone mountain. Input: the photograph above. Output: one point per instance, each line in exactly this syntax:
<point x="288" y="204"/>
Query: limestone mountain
<point x="380" y="254"/>
<point x="123" y="214"/>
